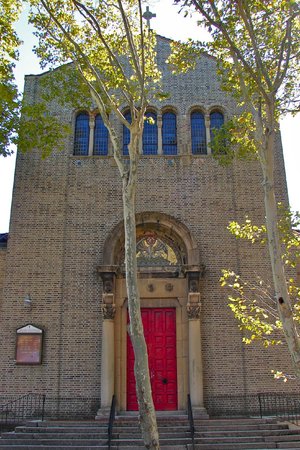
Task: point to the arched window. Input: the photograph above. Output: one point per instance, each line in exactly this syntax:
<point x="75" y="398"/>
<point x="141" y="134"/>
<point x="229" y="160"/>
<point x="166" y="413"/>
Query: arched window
<point x="126" y="134"/>
<point x="82" y="134"/>
<point x="169" y="134"/>
<point x="100" y="137"/>
<point x="216" y="121"/>
<point x="198" y="133"/>
<point x="150" y="135"/>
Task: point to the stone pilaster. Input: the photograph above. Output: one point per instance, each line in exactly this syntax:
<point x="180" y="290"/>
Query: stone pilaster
<point x="91" y="137"/>
<point x="108" y="308"/>
<point x="159" y="135"/>
<point x="207" y="130"/>
<point x="195" y="351"/>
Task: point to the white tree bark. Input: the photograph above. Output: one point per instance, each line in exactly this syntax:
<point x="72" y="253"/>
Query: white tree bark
<point x="136" y="331"/>
<point x="266" y="154"/>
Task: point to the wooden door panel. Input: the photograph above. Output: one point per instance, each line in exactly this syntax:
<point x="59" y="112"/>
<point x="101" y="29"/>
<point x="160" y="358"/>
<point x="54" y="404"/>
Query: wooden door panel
<point x="160" y="334"/>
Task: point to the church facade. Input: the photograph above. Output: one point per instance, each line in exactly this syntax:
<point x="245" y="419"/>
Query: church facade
<point x="63" y="293"/>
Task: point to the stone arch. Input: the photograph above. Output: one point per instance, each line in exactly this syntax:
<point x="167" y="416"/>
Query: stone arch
<point x="161" y="222"/>
<point x="169" y="108"/>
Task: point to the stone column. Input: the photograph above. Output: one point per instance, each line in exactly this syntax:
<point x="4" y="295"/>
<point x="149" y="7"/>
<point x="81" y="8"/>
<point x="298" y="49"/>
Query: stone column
<point x="108" y="353"/>
<point x="195" y="347"/>
<point x="207" y="130"/>
<point x="159" y="134"/>
<point x="108" y="342"/>
<point x="195" y="357"/>
<point x="91" y="137"/>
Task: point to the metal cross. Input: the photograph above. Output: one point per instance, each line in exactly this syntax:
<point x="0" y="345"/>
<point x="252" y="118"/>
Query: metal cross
<point x="148" y="15"/>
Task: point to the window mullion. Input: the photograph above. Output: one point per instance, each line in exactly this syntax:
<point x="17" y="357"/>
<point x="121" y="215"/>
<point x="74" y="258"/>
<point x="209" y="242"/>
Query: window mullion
<point x="91" y="136"/>
<point x="159" y="136"/>
<point x="207" y="131"/>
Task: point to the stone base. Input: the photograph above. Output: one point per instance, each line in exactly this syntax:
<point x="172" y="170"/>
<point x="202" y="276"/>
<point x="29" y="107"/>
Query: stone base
<point x="199" y="412"/>
<point x="103" y="413"/>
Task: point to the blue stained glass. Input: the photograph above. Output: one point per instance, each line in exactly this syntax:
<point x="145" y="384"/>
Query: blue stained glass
<point x="150" y="139"/>
<point x="126" y="134"/>
<point x="82" y="134"/>
<point x="169" y="134"/>
<point x="198" y="133"/>
<point x="216" y="121"/>
<point x="100" y="137"/>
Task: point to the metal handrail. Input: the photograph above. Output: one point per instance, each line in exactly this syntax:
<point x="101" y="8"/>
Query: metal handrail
<point x="24" y="407"/>
<point x="282" y="406"/>
<point x="191" y="419"/>
<point x="111" y="420"/>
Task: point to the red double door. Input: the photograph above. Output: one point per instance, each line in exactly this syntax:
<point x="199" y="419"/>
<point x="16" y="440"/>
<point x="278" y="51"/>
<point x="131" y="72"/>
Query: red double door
<point x="160" y="334"/>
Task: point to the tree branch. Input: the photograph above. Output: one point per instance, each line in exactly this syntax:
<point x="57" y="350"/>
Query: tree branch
<point x="287" y="40"/>
<point x="234" y="48"/>
<point x="95" y="25"/>
<point x="246" y="17"/>
<point x="131" y="44"/>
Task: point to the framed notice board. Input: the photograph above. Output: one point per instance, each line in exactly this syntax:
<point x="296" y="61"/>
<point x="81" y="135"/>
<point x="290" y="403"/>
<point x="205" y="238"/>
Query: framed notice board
<point x="29" y="345"/>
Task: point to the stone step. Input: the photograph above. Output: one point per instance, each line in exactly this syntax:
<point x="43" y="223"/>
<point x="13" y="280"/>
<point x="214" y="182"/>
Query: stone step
<point x="57" y="442"/>
<point x="73" y="437"/>
<point x="254" y="432"/>
<point x="290" y="437"/>
<point x="216" y="434"/>
<point x="25" y="435"/>
<point x="61" y="430"/>
<point x="232" y="446"/>
<point x="53" y="447"/>
<point x="288" y="445"/>
<point x="253" y="438"/>
<point x="247" y="446"/>
<point x="236" y="426"/>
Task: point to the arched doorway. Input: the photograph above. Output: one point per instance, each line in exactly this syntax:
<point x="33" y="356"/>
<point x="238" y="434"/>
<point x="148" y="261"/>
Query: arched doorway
<point x="168" y="278"/>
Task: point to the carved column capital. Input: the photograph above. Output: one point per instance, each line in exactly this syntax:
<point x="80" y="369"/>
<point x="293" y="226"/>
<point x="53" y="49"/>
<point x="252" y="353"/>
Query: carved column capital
<point x="193" y="307"/>
<point x="193" y="311"/>
<point x="109" y="311"/>
<point x="92" y="121"/>
<point x="207" y="120"/>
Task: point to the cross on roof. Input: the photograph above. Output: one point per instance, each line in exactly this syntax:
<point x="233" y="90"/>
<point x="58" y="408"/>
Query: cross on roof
<point x="148" y="15"/>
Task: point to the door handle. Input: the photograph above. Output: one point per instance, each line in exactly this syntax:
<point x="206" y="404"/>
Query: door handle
<point x="165" y="380"/>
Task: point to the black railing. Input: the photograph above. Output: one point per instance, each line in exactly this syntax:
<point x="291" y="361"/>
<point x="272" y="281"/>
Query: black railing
<point x="15" y="409"/>
<point x="111" y="420"/>
<point x="20" y="409"/>
<point x="191" y="419"/>
<point x="283" y="406"/>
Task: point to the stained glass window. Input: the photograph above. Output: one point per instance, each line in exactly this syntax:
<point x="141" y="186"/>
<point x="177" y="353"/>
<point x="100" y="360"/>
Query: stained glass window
<point x="169" y="134"/>
<point x="198" y="133"/>
<point x="100" y="137"/>
<point x="82" y="134"/>
<point x="150" y="135"/>
<point x="216" y="121"/>
<point x="126" y="134"/>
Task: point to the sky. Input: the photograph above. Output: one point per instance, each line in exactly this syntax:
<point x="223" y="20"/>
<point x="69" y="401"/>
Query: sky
<point x="170" y="24"/>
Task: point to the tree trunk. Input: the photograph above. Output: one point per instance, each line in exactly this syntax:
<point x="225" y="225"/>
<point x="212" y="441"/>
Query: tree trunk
<point x="136" y="331"/>
<point x="275" y="251"/>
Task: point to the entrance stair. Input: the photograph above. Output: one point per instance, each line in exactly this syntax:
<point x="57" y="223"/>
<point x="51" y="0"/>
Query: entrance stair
<point x="210" y="434"/>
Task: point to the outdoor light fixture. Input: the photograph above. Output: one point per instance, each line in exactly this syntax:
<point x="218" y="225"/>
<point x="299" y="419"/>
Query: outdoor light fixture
<point x="27" y="301"/>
